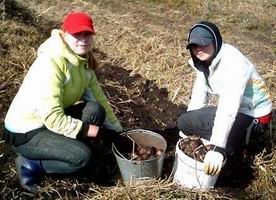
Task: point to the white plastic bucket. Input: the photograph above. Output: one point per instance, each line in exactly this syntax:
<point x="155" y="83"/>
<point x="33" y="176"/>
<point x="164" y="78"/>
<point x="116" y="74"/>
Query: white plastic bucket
<point x="189" y="173"/>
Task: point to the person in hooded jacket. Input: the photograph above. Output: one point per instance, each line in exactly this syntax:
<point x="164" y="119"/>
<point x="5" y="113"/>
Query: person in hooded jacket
<point x="59" y="105"/>
<point x="244" y="102"/>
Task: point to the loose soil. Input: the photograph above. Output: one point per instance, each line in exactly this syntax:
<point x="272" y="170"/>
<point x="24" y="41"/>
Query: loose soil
<point x="193" y="147"/>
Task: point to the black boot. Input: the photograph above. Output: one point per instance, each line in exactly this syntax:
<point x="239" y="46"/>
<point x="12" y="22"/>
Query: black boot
<point x="28" y="171"/>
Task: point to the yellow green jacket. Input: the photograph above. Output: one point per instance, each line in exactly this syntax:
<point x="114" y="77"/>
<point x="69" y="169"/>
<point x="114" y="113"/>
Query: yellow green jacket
<point x="57" y="79"/>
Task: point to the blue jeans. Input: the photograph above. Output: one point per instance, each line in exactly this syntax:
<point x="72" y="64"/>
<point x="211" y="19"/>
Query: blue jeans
<point x="60" y="154"/>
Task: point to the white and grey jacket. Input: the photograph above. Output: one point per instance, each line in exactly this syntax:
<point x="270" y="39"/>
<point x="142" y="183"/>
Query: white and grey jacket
<point x="239" y="87"/>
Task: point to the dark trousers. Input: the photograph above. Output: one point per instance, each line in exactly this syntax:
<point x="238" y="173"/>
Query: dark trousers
<point x="59" y="154"/>
<point x="200" y="122"/>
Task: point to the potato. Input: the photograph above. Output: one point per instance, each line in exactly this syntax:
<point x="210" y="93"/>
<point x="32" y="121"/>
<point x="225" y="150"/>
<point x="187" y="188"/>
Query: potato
<point x="159" y="152"/>
<point x="150" y="150"/>
<point x="141" y="150"/>
<point x="144" y="156"/>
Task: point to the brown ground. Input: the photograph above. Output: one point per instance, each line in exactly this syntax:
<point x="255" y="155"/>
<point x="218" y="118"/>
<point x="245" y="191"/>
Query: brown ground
<point x="143" y="72"/>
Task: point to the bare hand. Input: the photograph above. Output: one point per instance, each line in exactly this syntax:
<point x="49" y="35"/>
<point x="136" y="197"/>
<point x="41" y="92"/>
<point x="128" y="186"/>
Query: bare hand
<point x="92" y="131"/>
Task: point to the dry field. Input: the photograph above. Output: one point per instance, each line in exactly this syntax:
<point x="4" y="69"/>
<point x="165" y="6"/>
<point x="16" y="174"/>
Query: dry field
<point x="140" y="45"/>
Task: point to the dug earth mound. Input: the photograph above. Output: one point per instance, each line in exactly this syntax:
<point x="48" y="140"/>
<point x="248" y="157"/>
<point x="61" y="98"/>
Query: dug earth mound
<point x="138" y="102"/>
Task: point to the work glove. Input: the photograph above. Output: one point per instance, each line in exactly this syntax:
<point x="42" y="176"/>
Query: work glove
<point x="213" y="162"/>
<point x="121" y="141"/>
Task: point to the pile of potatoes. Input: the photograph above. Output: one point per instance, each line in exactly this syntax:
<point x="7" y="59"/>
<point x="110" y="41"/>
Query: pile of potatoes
<point x="144" y="153"/>
<point x="193" y="147"/>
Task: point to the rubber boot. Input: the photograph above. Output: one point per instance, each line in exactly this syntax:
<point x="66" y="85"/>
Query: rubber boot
<point x="28" y="172"/>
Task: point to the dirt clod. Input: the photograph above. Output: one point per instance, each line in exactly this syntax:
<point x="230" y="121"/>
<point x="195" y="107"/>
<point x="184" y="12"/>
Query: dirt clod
<point x="194" y="147"/>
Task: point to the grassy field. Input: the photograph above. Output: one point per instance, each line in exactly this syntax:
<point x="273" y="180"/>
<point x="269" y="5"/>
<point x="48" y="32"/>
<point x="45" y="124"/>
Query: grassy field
<point x="143" y="68"/>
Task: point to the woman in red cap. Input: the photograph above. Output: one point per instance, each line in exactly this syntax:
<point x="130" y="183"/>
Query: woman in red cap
<point x="244" y="104"/>
<point x="68" y="105"/>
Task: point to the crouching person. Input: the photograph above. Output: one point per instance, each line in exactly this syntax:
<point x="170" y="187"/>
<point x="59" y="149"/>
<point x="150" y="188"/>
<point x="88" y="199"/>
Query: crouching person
<point x="59" y="105"/>
<point x="244" y="102"/>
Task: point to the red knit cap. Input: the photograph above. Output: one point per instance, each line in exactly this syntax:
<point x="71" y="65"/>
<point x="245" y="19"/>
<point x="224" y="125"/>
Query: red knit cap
<point x="76" y="22"/>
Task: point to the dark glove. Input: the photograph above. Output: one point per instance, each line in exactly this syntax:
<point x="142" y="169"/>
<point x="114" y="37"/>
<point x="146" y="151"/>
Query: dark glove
<point x="122" y="143"/>
<point x="83" y="132"/>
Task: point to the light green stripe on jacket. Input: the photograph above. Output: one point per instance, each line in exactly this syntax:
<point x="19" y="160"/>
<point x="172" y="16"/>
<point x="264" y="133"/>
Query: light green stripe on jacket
<point x="57" y="79"/>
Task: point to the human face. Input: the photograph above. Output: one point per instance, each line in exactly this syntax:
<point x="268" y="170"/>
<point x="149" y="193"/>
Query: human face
<point x="80" y="43"/>
<point x="203" y="53"/>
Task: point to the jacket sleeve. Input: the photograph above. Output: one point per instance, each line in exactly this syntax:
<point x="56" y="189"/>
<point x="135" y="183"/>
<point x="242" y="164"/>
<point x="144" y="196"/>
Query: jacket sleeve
<point x="100" y="97"/>
<point x="235" y="80"/>
<point x="50" y="81"/>
<point x="199" y="98"/>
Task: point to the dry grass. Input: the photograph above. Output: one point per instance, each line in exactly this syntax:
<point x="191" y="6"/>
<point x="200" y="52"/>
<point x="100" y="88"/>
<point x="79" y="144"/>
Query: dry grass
<point x="148" y="38"/>
<point x="264" y="185"/>
<point x="265" y="166"/>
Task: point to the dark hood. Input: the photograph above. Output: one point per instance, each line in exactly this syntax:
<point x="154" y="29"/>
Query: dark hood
<point x="213" y="29"/>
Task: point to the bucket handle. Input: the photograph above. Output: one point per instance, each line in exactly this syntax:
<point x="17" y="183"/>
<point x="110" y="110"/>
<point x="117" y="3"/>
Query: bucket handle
<point x="133" y="147"/>
<point x="133" y="144"/>
<point x="117" y="152"/>
<point x="201" y="146"/>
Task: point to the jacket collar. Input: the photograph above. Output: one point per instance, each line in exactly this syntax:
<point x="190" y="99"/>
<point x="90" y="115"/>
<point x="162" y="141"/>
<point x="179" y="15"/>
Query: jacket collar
<point x="216" y="60"/>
